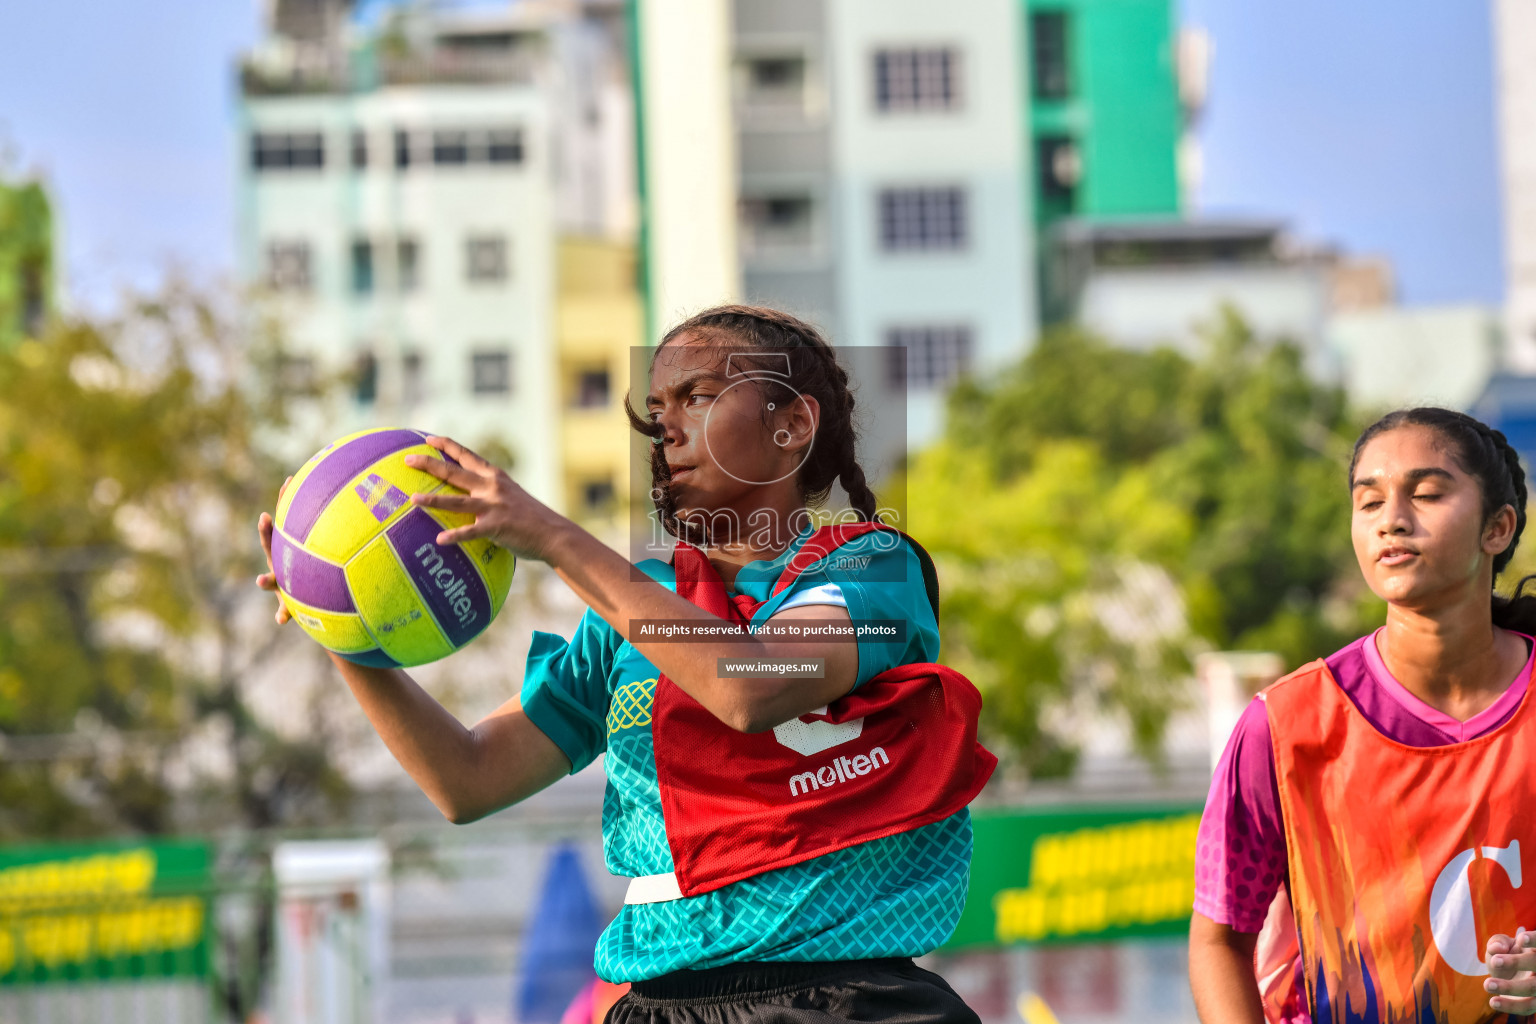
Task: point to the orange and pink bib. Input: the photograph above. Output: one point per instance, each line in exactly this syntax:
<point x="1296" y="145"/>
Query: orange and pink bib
<point x="1403" y="860"/>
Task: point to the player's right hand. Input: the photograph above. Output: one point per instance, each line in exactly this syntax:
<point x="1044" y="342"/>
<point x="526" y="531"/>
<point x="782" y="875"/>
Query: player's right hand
<point x="1511" y="982"/>
<point x="268" y="579"/>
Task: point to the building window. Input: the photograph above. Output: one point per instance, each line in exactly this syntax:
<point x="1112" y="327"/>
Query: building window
<point x="491" y="372"/>
<point x="486" y="258"/>
<point x="287" y="151"/>
<point x="775" y="223"/>
<point x="359" y="150"/>
<point x="1060" y="168"/>
<point x="288" y="266"/>
<point x="413" y="383"/>
<point x="450" y="147"/>
<point x="362" y="267"/>
<point x="774" y="83"/>
<point x="924" y="358"/>
<point x="1051" y="67"/>
<point x="365" y="378"/>
<point x="408" y="264"/>
<point x="918" y="79"/>
<point x="504" y="146"/>
<point x="597" y="496"/>
<point x="592" y="389"/>
<point x="922" y="219"/>
<point x="459" y="147"/>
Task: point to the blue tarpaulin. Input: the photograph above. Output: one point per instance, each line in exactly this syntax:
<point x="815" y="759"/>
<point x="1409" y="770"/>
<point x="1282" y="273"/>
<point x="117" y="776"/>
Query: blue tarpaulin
<point x="557" y="948"/>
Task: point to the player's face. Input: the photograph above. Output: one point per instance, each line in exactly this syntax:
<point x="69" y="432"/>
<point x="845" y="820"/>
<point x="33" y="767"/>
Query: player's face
<point x="719" y="433"/>
<point x="1418" y="526"/>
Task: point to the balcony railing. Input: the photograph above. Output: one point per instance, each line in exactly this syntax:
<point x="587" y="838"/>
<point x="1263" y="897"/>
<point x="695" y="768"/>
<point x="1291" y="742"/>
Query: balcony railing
<point x="330" y="72"/>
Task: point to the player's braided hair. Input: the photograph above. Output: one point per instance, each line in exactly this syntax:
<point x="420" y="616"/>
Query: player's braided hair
<point x="785" y="357"/>
<point x="1484" y="453"/>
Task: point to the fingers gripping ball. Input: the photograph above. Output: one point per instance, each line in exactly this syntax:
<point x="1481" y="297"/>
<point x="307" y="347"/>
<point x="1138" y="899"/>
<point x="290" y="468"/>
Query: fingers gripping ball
<point x="359" y="567"/>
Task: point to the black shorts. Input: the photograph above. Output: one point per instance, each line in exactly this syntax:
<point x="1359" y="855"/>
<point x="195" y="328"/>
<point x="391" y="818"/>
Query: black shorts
<point x="892" y="991"/>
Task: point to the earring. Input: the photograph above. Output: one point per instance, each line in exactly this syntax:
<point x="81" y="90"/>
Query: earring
<point x="787" y="437"/>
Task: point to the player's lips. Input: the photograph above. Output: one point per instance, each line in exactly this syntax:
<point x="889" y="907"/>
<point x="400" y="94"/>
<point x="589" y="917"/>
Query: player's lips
<point x="1396" y="555"/>
<point x="676" y="471"/>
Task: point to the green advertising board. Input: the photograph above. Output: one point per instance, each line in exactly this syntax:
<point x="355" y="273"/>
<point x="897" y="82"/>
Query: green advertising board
<point x="103" y="912"/>
<point x="1084" y="874"/>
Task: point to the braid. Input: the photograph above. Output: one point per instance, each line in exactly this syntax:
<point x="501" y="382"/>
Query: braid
<point x="813" y="371"/>
<point x="1517" y="484"/>
<point x="842" y="439"/>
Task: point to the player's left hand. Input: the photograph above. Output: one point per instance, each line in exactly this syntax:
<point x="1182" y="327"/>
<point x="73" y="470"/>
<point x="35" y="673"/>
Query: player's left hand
<point x="1511" y="981"/>
<point x="503" y="511"/>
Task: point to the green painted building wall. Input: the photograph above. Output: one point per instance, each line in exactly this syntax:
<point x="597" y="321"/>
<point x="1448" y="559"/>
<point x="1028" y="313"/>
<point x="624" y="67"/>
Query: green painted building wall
<point x="26" y="259"/>
<point x="1118" y="108"/>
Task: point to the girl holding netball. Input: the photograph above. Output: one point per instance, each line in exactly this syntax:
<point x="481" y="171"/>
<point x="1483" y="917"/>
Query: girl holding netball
<point x="1385" y="791"/>
<point x="793" y="841"/>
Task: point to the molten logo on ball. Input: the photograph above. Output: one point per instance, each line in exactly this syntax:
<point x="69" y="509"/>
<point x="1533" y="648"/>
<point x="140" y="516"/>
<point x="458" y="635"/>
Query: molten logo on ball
<point x="453" y="588"/>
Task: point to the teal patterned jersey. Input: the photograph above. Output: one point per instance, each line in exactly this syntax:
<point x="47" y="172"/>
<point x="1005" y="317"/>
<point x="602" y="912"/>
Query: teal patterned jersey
<point x="897" y="896"/>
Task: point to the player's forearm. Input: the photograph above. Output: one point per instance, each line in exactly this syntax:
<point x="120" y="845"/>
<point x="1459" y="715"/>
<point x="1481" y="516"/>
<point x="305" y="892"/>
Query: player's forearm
<point x="1221" y="973"/>
<point x="444" y="757"/>
<point x="604" y="580"/>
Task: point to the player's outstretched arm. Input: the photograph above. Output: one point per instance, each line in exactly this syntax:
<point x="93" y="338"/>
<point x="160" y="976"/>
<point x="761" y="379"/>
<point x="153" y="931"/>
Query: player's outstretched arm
<point x="604" y="580"/>
<point x="466" y="772"/>
<point x="1221" y="973"/>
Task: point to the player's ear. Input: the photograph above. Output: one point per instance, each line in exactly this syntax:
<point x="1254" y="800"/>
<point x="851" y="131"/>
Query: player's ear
<point x="1499" y="532"/>
<point x="797" y="427"/>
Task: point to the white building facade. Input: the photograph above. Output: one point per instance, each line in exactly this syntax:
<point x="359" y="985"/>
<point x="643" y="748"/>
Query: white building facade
<point x="881" y="161"/>
<point x="1515" y="41"/>
<point x="405" y="235"/>
<point x="401" y="189"/>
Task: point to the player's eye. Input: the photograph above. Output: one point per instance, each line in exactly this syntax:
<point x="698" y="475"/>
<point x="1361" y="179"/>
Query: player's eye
<point x="1370" y="505"/>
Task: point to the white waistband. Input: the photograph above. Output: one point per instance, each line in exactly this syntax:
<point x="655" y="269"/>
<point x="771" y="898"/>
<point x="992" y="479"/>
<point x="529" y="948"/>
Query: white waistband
<point x="653" y="889"/>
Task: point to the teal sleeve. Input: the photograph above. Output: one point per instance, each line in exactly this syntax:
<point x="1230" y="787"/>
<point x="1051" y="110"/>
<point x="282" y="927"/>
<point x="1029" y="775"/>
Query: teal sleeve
<point x="565" y="688"/>
<point x="888" y="584"/>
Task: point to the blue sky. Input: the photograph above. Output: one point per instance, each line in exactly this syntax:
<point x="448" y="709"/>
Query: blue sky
<point x="128" y="110"/>
<point x="1367" y="123"/>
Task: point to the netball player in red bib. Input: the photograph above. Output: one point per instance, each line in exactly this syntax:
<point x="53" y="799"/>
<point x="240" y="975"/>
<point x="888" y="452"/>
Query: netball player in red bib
<point x="793" y="842"/>
<point x="1368" y="850"/>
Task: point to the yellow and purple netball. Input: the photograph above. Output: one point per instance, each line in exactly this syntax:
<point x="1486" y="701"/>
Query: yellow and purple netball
<point x="359" y="566"/>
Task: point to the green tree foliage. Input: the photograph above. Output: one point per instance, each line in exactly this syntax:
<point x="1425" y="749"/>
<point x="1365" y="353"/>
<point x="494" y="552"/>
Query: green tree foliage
<point x="1101" y="515"/>
<point x="26" y="259"/>
<point x="134" y="454"/>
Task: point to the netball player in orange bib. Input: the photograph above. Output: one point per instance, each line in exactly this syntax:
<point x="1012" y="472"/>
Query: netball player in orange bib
<point x="1386" y="791"/>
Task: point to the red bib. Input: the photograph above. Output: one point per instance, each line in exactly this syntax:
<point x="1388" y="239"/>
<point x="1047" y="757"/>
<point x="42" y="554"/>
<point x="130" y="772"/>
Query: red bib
<point x="896" y="754"/>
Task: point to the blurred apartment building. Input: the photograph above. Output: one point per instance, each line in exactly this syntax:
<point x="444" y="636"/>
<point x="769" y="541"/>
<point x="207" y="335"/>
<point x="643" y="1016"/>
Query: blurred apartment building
<point x="882" y="155"/>
<point x="925" y="177"/>
<point x="1509" y="402"/>
<point x="906" y="170"/>
<point x="906" y="176"/>
<point x="1117" y="89"/>
<point x="1515" y="84"/>
<point x="461" y="209"/>
<point x="410" y="188"/>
